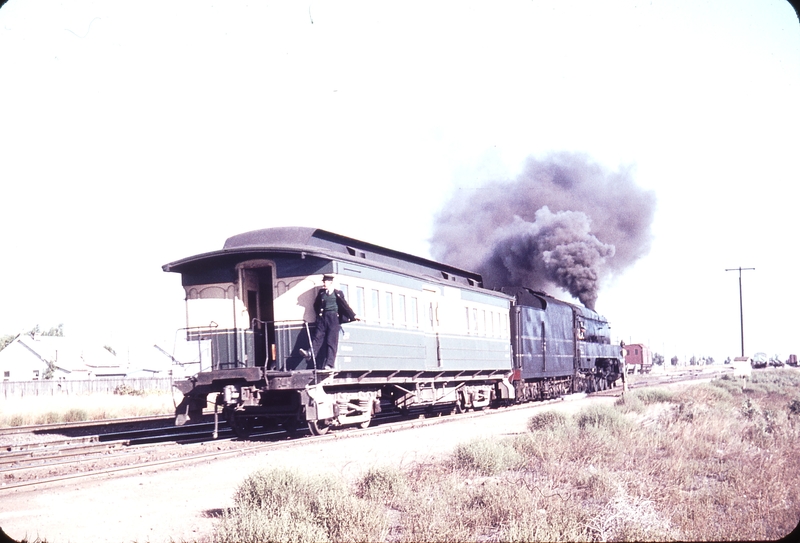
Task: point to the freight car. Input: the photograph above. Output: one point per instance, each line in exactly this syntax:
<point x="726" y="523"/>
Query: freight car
<point x="430" y="335"/>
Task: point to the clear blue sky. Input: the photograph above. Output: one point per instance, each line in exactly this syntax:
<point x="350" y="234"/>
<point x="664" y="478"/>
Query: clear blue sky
<point x="132" y="135"/>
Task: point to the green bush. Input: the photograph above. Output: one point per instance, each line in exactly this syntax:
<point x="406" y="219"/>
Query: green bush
<point x="729" y="383"/>
<point x="256" y="526"/>
<point x="486" y="456"/>
<point x="51" y="417"/>
<point x="282" y="505"/>
<point x="271" y="489"/>
<point x="16" y="420"/>
<point x="547" y="420"/>
<point x="436" y="510"/>
<point x="493" y="502"/>
<point x="383" y="484"/>
<point x="654" y="395"/>
<point x="630" y="403"/>
<point x="709" y="394"/>
<point x="75" y="415"/>
<point x="601" y="417"/>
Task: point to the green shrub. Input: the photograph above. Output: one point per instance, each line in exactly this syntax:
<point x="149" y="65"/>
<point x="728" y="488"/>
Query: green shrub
<point x="630" y="403"/>
<point x="707" y="394"/>
<point x="16" y="420"/>
<point x="724" y="393"/>
<point x="384" y="484"/>
<point x="75" y="415"/>
<point x="493" y="502"/>
<point x="51" y="417"/>
<point x="271" y="489"/>
<point x="256" y="526"/>
<point x="547" y="420"/>
<point x="435" y="509"/>
<point x="282" y="505"/>
<point x="486" y="456"/>
<point x="601" y="417"/>
<point x="654" y="395"/>
<point x="729" y="383"/>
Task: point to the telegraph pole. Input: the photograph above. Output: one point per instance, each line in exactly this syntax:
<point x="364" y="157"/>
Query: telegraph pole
<point x="741" y="310"/>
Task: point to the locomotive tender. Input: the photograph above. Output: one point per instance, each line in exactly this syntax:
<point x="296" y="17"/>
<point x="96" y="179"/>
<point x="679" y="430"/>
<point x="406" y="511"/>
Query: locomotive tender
<point x="429" y="335"/>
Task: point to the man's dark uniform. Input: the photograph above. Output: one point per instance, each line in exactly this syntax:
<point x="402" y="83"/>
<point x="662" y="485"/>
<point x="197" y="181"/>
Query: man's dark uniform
<point x="332" y="310"/>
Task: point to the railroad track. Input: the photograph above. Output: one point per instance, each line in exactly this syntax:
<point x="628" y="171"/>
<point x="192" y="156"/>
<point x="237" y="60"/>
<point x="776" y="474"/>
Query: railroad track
<point x="654" y="380"/>
<point x="52" y="461"/>
<point x="46" y="462"/>
<point x="86" y="425"/>
<point x="33" y="453"/>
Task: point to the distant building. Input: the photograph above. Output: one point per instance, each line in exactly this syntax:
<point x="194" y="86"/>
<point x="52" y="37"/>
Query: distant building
<point x="179" y="360"/>
<point x="32" y="358"/>
<point x="638" y="358"/>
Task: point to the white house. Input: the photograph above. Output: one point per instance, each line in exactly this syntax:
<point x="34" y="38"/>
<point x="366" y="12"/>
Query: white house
<point x="178" y="359"/>
<point x="29" y="358"/>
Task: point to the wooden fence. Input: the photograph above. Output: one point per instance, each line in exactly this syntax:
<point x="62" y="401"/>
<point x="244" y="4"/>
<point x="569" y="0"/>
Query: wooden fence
<point x="21" y="389"/>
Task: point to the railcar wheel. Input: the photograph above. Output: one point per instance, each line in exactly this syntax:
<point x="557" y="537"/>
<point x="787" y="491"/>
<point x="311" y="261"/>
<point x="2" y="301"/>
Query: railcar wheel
<point x="461" y="403"/>
<point x="241" y="426"/>
<point x="318" y="427"/>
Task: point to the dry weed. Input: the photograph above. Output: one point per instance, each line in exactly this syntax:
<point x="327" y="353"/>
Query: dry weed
<point x="51" y="409"/>
<point x="715" y="462"/>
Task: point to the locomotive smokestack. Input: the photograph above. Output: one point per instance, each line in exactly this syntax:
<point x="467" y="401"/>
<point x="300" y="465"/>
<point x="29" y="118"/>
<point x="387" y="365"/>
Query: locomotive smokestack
<point x="564" y="222"/>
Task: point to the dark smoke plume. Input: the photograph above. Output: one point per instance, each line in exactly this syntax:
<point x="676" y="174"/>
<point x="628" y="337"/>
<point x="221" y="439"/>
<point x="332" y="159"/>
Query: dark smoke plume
<point x="565" y="222"/>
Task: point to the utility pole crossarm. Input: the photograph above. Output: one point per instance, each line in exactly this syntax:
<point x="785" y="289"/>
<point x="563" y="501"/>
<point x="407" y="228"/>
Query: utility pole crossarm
<point x="741" y="307"/>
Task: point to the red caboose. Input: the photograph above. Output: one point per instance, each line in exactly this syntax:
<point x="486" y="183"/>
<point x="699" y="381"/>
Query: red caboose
<point x="638" y="358"/>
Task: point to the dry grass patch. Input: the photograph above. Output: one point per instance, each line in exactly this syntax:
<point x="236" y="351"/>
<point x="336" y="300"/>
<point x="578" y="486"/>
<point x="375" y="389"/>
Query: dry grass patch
<point x="52" y="409"/>
<point x="715" y="462"/>
<point x="284" y="505"/>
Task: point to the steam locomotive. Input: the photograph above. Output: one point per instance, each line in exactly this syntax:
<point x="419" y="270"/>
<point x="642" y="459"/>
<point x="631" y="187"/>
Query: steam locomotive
<point x="430" y="336"/>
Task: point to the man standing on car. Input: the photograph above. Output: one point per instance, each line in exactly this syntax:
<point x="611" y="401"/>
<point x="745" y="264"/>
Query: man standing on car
<point x="332" y="311"/>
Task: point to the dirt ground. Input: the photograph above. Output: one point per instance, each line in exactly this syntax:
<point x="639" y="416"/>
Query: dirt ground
<point x="179" y="504"/>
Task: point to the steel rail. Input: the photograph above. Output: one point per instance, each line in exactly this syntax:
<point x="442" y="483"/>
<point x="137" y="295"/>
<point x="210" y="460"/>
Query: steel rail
<point x="422" y="420"/>
<point x="90" y="445"/>
<point x="32" y="428"/>
<point x="390" y="427"/>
